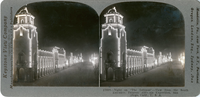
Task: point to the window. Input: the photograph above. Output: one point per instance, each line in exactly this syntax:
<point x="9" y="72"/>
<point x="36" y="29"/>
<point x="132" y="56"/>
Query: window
<point x="110" y="20"/>
<point x="22" y="21"/>
<point x="31" y="21"/>
<point x="119" y="19"/>
<point x="34" y="34"/>
<point x="21" y="33"/>
<point x="109" y="33"/>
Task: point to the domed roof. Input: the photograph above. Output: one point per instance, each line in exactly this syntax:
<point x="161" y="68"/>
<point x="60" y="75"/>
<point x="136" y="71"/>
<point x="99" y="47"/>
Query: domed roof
<point x="112" y="11"/>
<point x="24" y="11"/>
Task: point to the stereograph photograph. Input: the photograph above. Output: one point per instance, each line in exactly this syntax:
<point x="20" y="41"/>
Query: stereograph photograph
<point x="55" y="44"/>
<point x="142" y="44"/>
<point x="100" y="48"/>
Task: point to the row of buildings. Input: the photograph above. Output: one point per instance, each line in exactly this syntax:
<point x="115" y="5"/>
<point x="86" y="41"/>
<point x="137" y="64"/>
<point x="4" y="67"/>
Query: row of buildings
<point x="117" y="62"/>
<point x="29" y="62"/>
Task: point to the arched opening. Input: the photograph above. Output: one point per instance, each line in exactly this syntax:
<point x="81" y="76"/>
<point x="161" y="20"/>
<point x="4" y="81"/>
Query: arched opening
<point x="110" y="20"/>
<point x="110" y="73"/>
<point x="110" y="66"/>
<point x="22" y="21"/>
<point x="21" y="65"/>
<point x="21" y="74"/>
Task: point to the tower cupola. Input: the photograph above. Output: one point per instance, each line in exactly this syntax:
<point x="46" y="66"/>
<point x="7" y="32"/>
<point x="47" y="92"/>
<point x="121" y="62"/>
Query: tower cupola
<point x="112" y="17"/>
<point x="24" y="17"/>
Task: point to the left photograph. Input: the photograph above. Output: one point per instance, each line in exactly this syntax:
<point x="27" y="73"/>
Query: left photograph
<point x="56" y="44"/>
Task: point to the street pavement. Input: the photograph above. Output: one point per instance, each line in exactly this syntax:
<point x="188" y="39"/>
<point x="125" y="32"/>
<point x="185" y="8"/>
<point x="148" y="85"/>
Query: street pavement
<point x="168" y="74"/>
<point x="80" y="74"/>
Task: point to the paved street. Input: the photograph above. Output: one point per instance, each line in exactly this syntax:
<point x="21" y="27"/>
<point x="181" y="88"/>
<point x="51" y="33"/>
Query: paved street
<point x="80" y="74"/>
<point x="168" y="74"/>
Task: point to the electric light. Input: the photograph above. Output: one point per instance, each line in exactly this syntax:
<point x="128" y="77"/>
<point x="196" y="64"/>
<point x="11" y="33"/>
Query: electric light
<point x="182" y="58"/>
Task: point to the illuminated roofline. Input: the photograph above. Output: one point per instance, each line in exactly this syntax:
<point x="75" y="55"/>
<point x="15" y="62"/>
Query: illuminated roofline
<point x="25" y="25"/>
<point x="109" y="26"/>
<point x="145" y="47"/>
<point x="56" y="47"/>
<point x="19" y="15"/>
<point x="150" y="53"/>
<point x="113" y="24"/>
<point x="106" y="15"/>
<point x="14" y="31"/>
<point x="44" y="51"/>
<point x="122" y="29"/>
<point x="131" y="50"/>
<point x="61" y="54"/>
<point x="33" y="30"/>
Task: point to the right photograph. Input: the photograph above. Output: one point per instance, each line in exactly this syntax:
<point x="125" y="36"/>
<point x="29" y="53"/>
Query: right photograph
<point x="142" y="44"/>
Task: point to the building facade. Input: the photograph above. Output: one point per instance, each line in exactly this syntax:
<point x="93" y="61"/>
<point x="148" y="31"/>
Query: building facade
<point x="29" y="62"/>
<point x="140" y="61"/>
<point x="51" y="61"/>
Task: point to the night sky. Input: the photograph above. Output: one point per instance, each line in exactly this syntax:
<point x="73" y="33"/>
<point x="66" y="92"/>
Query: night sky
<point x="75" y="26"/>
<point x="69" y="25"/>
<point x="156" y="25"/>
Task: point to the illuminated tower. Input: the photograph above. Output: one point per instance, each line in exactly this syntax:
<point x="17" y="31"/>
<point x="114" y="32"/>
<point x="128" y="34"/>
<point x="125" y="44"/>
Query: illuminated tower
<point x="113" y="46"/>
<point x="25" y="46"/>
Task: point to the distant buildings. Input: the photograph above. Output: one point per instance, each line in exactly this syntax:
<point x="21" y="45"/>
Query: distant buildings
<point x="181" y="58"/>
<point x="94" y="59"/>
<point x="116" y="61"/>
<point x="140" y="61"/>
<point x="29" y="62"/>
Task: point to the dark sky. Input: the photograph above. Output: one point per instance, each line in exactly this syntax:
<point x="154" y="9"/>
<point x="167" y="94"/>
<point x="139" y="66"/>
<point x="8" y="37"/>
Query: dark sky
<point x="73" y="26"/>
<point x="156" y="25"/>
